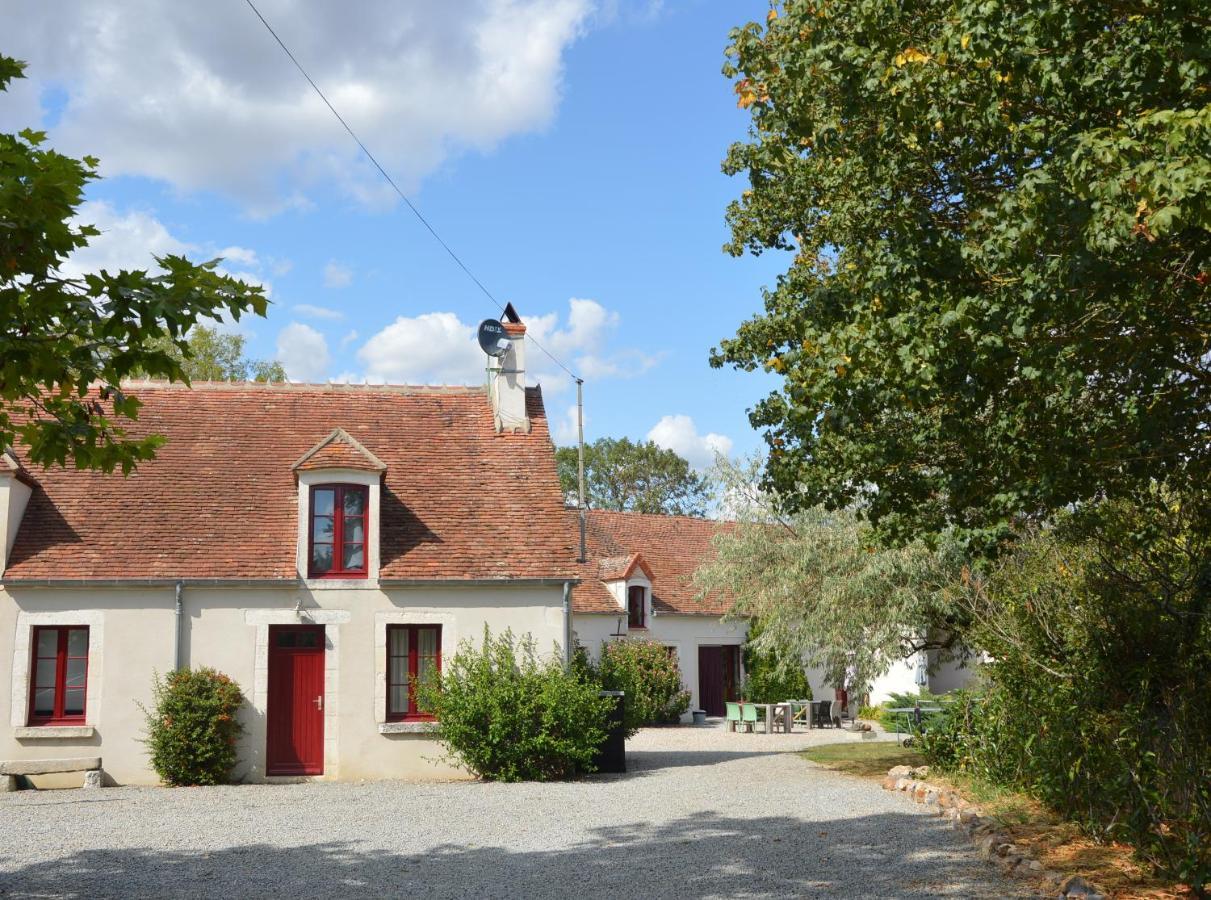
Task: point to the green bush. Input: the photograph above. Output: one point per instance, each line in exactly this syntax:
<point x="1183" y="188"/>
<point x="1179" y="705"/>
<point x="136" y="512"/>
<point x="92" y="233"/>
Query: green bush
<point x="904" y="722"/>
<point x="1096" y="701"/>
<point x="506" y="715"/>
<point x="192" y="729"/>
<point x="770" y="676"/>
<point x="649" y="676"/>
<point x="872" y="713"/>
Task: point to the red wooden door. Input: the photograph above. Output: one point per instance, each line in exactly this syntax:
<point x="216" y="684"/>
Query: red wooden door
<point x="731" y="672"/>
<point x="295" y="714"/>
<point x="710" y="680"/>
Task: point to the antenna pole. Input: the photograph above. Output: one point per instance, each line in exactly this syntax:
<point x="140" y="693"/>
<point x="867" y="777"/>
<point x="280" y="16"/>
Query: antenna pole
<point x="580" y="463"/>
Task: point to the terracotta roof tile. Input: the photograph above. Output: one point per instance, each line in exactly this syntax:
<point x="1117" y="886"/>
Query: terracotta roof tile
<point x="339" y="450"/>
<point x="613" y="568"/>
<point x="220" y="500"/>
<point x="672" y="547"/>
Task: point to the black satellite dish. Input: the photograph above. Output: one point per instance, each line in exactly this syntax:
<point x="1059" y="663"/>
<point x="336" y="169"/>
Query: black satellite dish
<point x="492" y="339"/>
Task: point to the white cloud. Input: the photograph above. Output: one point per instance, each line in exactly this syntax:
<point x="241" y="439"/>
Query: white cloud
<point x="336" y="275"/>
<point x="134" y="238"/>
<point x="129" y="240"/>
<point x="679" y="434"/>
<point x="581" y="343"/>
<point x="349" y="338"/>
<point x="240" y="255"/>
<point x="565" y="429"/>
<point x="199" y="95"/>
<point x="440" y="347"/>
<point x="433" y="347"/>
<point x="303" y="352"/>
<point x="317" y="312"/>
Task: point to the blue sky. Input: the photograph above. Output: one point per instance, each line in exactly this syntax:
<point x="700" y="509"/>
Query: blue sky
<point x="569" y="152"/>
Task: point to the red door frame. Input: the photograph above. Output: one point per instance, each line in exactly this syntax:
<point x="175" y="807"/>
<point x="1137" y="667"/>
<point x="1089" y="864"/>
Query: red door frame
<point x="718" y="677"/>
<point x="294" y="715"/>
<point x="710" y="680"/>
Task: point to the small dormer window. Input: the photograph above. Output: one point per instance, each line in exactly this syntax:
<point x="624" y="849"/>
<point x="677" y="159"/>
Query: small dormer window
<point x="339" y="523"/>
<point x="636" y="607"/>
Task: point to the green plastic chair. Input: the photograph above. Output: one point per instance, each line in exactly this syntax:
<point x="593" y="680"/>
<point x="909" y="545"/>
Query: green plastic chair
<point x="748" y="717"/>
<point x="733" y="716"/>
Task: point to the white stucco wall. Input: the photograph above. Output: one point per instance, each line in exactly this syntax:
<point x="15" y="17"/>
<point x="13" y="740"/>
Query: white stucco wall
<point x="14" y="495"/>
<point x="684" y="633"/>
<point x="227" y="628"/>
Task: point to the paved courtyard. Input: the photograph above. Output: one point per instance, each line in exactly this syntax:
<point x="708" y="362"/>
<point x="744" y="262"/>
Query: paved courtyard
<point x="701" y="814"/>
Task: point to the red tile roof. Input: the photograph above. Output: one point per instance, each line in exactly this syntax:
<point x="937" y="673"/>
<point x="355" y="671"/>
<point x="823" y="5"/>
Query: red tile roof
<point x="614" y="568"/>
<point x="220" y="500"/>
<point x="671" y="546"/>
<point x="339" y="450"/>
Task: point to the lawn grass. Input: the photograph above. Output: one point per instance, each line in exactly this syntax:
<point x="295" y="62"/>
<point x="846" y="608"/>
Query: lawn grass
<point x="1059" y="845"/>
<point x="868" y="759"/>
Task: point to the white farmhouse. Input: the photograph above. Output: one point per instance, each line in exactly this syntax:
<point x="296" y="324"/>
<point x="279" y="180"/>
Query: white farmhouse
<point x="318" y="544"/>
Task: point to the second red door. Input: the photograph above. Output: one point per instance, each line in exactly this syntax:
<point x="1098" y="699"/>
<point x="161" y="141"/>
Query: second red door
<point x="295" y="714"/>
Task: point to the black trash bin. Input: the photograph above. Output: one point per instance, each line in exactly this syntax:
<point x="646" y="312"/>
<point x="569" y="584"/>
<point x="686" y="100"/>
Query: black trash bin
<point x="612" y="754"/>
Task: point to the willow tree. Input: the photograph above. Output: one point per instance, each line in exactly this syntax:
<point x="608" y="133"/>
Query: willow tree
<point x="998" y="214"/>
<point x="825" y="591"/>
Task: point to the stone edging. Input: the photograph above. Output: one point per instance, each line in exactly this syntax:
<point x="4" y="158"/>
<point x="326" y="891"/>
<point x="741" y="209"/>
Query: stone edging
<point x="994" y="845"/>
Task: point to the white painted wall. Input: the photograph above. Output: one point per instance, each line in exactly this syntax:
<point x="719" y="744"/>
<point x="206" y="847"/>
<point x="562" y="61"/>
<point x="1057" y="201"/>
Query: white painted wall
<point x="685" y="633"/>
<point x="227" y="628"/>
<point x="14" y="495"/>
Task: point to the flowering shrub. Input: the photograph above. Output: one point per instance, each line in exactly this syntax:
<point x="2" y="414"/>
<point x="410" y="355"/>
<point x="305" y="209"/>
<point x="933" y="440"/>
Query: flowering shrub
<point x="192" y="729"/>
<point x="649" y="676"/>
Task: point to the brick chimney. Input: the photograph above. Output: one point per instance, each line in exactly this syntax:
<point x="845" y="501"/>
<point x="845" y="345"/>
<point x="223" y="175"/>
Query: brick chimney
<point x="507" y="378"/>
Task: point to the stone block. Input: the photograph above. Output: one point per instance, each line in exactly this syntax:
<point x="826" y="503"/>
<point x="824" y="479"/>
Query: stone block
<point x="93" y="778"/>
<point x="1076" y="886"/>
<point x="8" y="783"/>
<point x="49" y="766"/>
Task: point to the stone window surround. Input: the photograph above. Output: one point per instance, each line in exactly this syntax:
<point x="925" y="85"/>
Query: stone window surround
<point x="19" y="708"/>
<point x="373" y="482"/>
<point x="331" y="619"/>
<point x="449" y="625"/>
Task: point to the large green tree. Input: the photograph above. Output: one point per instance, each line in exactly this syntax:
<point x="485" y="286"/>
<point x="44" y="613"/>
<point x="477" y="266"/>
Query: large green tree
<point x="621" y="474"/>
<point x="998" y="214"/>
<point x="214" y="355"/>
<point x="66" y="343"/>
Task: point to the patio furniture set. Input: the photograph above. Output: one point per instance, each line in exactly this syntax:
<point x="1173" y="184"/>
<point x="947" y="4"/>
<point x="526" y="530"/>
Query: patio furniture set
<point x="744" y="716"/>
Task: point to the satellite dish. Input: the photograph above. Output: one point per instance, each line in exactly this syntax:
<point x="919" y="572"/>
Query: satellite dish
<point x="492" y="339"/>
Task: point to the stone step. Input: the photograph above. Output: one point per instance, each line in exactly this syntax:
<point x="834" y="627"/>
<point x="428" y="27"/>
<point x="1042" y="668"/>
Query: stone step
<point x="49" y="766"/>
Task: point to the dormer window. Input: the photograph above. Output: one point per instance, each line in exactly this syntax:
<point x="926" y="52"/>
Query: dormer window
<point x="637" y="607"/>
<point x="339" y="525"/>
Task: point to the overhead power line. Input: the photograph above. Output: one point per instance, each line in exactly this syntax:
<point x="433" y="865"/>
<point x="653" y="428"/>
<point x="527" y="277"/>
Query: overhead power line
<point x="391" y="181"/>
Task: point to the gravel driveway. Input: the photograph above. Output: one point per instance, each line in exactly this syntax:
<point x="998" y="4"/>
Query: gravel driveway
<point x="702" y="813"/>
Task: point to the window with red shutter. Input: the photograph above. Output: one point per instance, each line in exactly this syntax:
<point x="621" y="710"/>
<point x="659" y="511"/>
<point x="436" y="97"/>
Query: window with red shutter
<point x="59" y="675"/>
<point x="339" y="527"/>
<point x="413" y="652"/>
<point x="636" y="612"/>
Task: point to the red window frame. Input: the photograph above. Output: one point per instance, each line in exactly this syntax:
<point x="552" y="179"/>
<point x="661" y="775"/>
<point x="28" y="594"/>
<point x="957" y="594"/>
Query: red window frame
<point x="61" y="657"/>
<point x="339" y="524"/>
<point x="636" y="607"/>
<point x="411" y="712"/>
